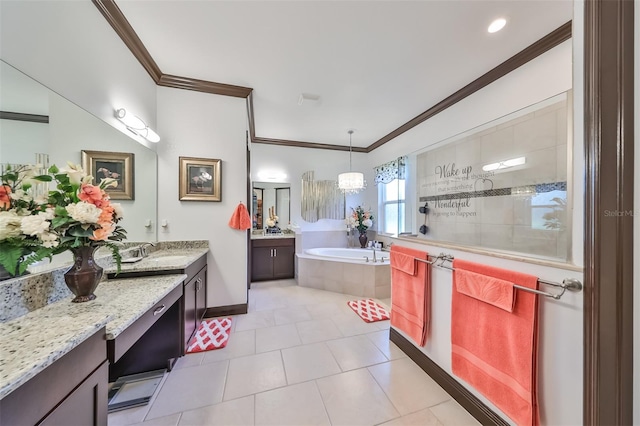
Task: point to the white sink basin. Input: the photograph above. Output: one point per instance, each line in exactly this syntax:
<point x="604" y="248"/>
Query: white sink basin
<point x="170" y="259"/>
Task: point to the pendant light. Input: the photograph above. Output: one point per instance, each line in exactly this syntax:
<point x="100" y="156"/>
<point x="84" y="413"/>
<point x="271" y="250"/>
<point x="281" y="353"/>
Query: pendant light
<point x="351" y="182"/>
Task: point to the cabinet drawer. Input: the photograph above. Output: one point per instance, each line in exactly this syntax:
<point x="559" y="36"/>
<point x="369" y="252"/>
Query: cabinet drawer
<point x="118" y="346"/>
<point x="275" y="242"/>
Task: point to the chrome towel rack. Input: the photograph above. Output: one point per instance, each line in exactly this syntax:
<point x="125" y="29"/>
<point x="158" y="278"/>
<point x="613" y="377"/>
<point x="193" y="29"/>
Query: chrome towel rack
<point x="570" y="284"/>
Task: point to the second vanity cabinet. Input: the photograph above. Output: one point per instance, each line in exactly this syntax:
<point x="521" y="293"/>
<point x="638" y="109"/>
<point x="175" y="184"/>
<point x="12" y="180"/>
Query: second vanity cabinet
<point x="272" y="258"/>
<point x="195" y="302"/>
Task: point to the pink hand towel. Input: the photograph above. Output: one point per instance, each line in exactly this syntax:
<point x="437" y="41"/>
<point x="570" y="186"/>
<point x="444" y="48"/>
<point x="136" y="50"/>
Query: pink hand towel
<point x="495" y="350"/>
<point x="240" y="218"/>
<point x="410" y="293"/>
<point x="403" y="262"/>
<point x="493" y="291"/>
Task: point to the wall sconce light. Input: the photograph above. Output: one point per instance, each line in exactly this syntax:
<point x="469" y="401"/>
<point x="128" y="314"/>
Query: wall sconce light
<point x="136" y="125"/>
<point x="272" y="176"/>
<point x="505" y="164"/>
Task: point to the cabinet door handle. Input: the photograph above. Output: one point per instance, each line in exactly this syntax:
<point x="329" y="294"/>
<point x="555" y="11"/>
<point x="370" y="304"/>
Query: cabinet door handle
<point x="275" y="252"/>
<point x="272" y="252"/>
<point x="198" y="284"/>
<point x="158" y="310"/>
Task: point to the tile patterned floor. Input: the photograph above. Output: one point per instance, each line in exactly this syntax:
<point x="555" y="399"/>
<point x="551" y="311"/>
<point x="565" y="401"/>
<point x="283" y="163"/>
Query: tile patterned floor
<point x="299" y="357"/>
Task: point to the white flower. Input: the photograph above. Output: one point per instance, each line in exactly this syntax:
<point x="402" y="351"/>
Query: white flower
<point x="41" y="199"/>
<point x="117" y="210"/>
<point x="48" y="214"/>
<point x="34" y="224"/>
<point x="75" y="173"/>
<point x="367" y="222"/>
<point x="20" y="194"/>
<point x="84" y="212"/>
<point x="9" y="224"/>
<point x="271" y="223"/>
<point x="49" y="240"/>
<point x="108" y="182"/>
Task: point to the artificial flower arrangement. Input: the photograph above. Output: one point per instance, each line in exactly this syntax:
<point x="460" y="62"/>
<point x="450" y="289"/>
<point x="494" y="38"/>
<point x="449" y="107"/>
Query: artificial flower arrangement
<point x="74" y="214"/>
<point x="360" y="219"/>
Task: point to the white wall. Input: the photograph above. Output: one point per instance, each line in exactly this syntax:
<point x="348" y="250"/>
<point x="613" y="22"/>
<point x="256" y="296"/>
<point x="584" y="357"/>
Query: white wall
<point x="69" y="47"/>
<point x="560" y="377"/>
<point x="30" y="137"/>
<point x="202" y="125"/>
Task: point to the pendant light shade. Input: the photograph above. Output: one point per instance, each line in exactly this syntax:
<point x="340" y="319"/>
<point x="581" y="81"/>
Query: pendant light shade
<point x="351" y="182"/>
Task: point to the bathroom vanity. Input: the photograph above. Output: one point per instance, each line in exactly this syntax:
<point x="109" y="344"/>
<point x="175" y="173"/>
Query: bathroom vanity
<point x="58" y="359"/>
<point x="272" y="257"/>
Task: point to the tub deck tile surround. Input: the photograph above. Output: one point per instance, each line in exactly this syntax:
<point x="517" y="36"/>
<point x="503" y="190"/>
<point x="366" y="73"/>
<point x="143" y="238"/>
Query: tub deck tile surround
<point x="345" y="276"/>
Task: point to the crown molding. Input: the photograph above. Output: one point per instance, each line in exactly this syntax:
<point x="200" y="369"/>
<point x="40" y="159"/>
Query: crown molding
<point x="531" y="52"/>
<point x="20" y="116"/>
<point x="120" y="24"/>
<point x="205" y="86"/>
<point x="123" y="28"/>
<point x="301" y="144"/>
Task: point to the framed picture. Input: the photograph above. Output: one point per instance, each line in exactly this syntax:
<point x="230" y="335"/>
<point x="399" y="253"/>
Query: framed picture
<point x="114" y="165"/>
<point x="200" y="179"/>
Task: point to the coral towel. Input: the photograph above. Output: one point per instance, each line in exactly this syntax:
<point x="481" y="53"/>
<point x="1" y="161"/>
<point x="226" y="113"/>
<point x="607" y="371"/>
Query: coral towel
<point x="493" y="349"/>
<point x="240" y="218"/>
<point x="410" y="292"/>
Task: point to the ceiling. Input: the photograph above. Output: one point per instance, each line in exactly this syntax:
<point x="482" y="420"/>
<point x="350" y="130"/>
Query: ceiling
<point x="373" y="64"/>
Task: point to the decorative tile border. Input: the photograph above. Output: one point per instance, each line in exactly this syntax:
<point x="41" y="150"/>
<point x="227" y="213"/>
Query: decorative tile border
<point x="517" y="190"/>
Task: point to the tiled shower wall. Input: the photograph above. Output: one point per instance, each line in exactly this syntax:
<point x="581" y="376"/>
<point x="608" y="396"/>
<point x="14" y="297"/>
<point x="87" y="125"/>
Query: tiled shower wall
<point x="518" y="209"/>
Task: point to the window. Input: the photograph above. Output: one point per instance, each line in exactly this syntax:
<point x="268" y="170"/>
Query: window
<point x="391" y="180"/>
<point x="391" y="206"/>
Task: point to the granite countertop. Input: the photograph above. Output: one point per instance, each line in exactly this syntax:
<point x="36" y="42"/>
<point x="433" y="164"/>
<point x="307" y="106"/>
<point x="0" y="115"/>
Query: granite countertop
<point x="34" y="341"/>
<point x="161" y="260"/>
<point x="272" y="236"/>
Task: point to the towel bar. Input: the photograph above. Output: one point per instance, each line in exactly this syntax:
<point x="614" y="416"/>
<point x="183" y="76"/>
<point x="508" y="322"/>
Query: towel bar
<point x="570" y="284"/>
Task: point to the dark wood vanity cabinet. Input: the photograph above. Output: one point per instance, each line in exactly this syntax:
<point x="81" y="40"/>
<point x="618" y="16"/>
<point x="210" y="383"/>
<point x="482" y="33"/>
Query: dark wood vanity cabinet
<point x="71" y="391"/>
<point x="195" y="303"/>
<point x="152" y="342"/>
<point x="272" y="259"/>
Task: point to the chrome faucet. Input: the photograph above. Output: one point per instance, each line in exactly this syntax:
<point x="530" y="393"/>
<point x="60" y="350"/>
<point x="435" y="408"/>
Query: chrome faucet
<point x="143" y="250"/>
<point x="374" y="253"/>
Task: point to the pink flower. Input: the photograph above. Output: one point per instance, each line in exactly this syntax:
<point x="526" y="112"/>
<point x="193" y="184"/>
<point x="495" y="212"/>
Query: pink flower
<point x="5" y="198"/>
<point x="101" y="234"/>
<point x="91" y="194"/>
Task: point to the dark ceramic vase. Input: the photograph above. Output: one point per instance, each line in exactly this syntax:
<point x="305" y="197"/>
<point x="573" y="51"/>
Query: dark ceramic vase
<point x="85" y="274"/>
<point x="363" y="239"/>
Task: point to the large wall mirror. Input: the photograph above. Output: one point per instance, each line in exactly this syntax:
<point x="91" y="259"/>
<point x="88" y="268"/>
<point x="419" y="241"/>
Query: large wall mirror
<point x="36" y="120"/>
<point x="270" y="199"/>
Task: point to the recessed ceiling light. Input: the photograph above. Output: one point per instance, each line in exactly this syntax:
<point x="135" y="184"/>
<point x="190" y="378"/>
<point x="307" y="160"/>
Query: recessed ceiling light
<point x="497" y="25"/>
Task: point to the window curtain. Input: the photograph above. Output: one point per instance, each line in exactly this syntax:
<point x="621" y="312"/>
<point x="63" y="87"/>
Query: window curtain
<point x="390" y="171"/>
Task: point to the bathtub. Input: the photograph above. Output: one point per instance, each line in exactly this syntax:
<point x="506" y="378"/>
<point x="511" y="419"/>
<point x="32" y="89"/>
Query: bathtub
<point x="357" y="255"/>
<point x="345" y="270"/>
